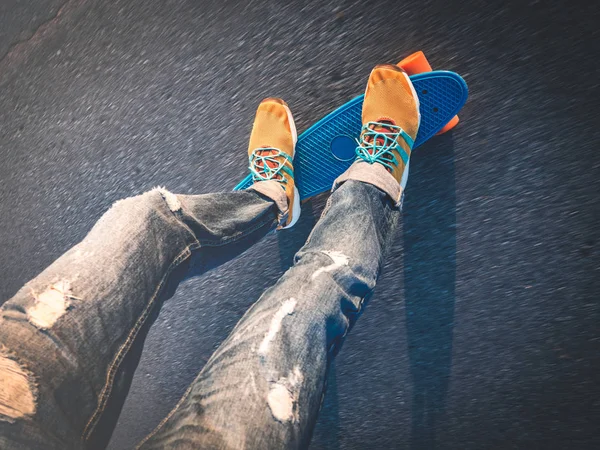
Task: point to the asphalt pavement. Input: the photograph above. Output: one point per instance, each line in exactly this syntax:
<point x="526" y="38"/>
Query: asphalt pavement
<point x="483" y="332"/>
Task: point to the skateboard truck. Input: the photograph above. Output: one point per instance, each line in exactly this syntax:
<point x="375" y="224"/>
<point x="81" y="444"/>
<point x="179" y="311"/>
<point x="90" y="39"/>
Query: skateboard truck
<point x="417" y="63"/>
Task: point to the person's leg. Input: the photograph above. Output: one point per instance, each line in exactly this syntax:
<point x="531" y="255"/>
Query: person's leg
<point x="263" y="387"/>
<point x="66" y="358"/>
<point x="64" y="335"/>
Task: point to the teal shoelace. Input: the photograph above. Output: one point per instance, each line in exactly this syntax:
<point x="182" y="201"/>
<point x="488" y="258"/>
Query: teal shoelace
<point x="260" y="165"/>
<point x="370" y="150"/>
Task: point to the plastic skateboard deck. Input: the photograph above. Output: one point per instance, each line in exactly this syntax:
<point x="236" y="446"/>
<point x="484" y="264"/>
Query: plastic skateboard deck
<point x="327" y="148"/>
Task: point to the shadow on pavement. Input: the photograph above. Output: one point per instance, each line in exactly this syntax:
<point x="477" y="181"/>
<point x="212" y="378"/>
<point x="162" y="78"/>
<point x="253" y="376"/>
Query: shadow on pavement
<point x="429" y="283"/>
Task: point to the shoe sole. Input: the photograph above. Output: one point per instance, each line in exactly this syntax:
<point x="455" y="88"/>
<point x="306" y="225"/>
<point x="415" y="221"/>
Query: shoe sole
<point x="296" y="209"/>
<point x="404" y="178"/>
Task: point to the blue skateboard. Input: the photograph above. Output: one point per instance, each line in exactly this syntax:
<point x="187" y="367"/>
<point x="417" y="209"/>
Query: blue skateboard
<point x="327" y="149"/>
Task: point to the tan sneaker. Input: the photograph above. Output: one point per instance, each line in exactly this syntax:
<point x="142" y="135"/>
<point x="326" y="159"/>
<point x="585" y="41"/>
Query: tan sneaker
<point x="391" y="120"/>
<point x="271" y="153"/>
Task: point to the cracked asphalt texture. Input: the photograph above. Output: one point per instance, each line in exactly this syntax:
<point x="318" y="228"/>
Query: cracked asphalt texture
<point x="483" y="332"/>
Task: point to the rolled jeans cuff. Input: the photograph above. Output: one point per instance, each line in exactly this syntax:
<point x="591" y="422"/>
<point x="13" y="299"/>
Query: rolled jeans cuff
<point x="374" y="174"/>
<point x="272" y="189"/>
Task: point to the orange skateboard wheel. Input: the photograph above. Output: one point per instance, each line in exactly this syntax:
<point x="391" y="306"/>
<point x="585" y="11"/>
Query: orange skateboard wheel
<point x="449" y="125"/>
<point x="417" y="63"/>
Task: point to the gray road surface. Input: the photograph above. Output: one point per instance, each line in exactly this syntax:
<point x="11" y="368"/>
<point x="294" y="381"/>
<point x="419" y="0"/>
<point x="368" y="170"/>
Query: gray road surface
<point x="483" y="332"/>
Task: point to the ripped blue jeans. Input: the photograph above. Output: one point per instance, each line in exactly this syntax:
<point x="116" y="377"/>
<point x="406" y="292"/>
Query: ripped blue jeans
<point x="68" y="338"/>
